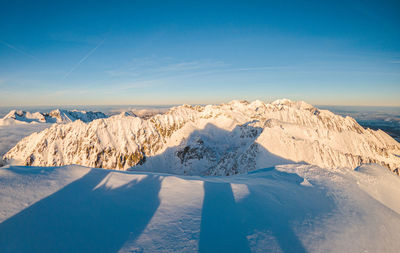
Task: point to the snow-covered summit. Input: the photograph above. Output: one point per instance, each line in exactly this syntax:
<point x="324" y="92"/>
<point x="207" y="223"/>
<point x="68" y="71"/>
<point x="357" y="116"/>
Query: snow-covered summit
<point x="220" y="139"/>
<point x="127" y="114"/>
<point x="55" y="116"/>
<point x="22" y="117"/>
<point x="65" y="116"/>
<point x="282" y="101"/>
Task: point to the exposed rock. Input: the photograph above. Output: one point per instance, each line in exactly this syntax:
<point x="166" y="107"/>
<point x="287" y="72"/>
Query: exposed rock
<point x="221" y="139"/>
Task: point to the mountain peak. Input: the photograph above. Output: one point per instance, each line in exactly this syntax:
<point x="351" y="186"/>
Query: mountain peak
<point x="282" y="101"/>
<point x="212" y="140"/>
<point x="54" y="116"/>
<point x="290" y="103"/>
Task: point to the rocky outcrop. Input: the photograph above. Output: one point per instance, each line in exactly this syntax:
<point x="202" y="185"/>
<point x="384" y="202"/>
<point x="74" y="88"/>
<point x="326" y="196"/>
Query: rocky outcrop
<point x="212" y="140"/>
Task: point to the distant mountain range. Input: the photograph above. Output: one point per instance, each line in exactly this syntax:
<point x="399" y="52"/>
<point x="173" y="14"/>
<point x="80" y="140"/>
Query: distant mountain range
<point x="221" y="139"/>
<point x="55" y="116"/>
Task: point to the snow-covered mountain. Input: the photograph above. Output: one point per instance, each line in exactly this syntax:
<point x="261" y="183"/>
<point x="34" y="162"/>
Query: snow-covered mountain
<point x="221" y="139"/>
<point x="55" y="116"/>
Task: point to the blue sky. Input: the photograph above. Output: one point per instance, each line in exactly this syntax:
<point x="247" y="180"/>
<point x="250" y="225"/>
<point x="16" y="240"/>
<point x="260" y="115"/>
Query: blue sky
<point x="197" y="52"/>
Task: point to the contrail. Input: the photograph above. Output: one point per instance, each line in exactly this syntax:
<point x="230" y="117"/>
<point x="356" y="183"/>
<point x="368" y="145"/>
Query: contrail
<point x="83" y="59"/>
<point x="18" y="50"/>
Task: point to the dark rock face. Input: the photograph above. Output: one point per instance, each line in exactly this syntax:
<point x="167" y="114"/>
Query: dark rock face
<point x="221" y="139"/>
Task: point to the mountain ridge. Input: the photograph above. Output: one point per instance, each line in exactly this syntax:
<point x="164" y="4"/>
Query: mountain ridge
<point x="54" y="116"/>
<point x="224" y="139"/>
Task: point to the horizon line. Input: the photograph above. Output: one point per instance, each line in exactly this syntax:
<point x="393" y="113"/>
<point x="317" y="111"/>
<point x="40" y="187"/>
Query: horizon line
<point x="193" y="104"/>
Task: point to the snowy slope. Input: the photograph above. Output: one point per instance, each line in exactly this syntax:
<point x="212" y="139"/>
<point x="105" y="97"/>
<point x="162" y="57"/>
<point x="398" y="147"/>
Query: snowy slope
<point x="221" y="139"/>
<point x="289" y="208"/>
<point x="12" y="134"/>
<point x="15" y="117"/>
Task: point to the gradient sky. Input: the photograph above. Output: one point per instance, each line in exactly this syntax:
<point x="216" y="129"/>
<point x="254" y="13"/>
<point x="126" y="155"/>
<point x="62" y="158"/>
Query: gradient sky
<point x="197" y="52"/>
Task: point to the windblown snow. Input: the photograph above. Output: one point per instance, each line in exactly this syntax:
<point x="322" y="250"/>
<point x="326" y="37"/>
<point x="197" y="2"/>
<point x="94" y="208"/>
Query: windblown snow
<point x="287" y="208"/>
<point x="221" y="139"/>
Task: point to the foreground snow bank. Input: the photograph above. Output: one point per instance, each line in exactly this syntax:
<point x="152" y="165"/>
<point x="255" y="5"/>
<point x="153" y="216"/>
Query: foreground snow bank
<point x="289" y="208"/>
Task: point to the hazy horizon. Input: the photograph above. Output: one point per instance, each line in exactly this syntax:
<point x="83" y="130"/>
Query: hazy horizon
<point x="78" y="106"/>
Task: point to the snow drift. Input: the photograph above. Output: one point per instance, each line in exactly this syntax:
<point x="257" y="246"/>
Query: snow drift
<point x="288" y="208"/>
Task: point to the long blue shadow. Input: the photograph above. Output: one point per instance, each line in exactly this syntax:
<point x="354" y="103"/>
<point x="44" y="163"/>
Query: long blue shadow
<point x="79" y="218"/>
<point x="285" y="202"/>
<point x="221" y="228"/>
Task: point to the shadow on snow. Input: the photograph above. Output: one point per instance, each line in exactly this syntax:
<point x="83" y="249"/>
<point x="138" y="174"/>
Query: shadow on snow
<point x="209" y="148"/>
<point x="79" y="218"/>
<point x="274" y="206"/>
<point x="82" y="218"/>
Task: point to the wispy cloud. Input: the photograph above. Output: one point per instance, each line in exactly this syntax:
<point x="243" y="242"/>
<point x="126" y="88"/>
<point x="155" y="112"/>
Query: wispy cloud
<point x="152" y="67"/>
<point x="139" y="84"/>
<point x="154" y="71"/>
<point x="157" y="67"/>
<point x="83" y="59"/>
<point x="18" y="50"/>
<point x="262" y="68"/>
<point x="191" y="65"/>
